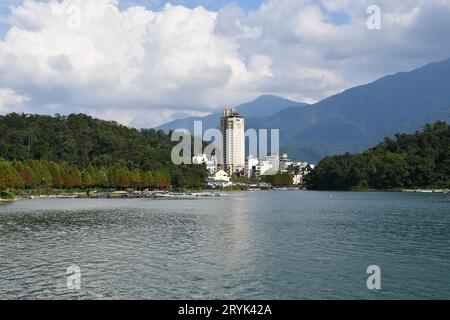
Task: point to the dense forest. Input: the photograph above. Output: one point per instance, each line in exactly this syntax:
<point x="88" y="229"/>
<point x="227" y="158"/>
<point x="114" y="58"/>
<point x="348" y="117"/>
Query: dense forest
<point x="279" y="179"/>
<point x="78" y="151"/>
<point x="419" y="160"/>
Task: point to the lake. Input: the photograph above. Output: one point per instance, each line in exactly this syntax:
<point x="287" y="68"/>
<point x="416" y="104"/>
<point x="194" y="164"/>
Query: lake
<point x="249" y="245"/>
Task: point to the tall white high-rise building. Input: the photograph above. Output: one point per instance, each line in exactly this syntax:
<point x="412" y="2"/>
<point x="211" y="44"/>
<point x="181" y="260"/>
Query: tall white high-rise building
<point x="233" y="130"/>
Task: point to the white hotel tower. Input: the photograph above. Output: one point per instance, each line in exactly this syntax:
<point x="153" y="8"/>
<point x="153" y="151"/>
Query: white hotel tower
<point x="233" y="130"/>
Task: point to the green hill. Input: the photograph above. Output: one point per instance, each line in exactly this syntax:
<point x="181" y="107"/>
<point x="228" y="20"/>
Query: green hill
<point x="419" y="160"/>
<point x="77" y="144"/>
<point x="263" y="106"/>
<point x="358" y="118"/>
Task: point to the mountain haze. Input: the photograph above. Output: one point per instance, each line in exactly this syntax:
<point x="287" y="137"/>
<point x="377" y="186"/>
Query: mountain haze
<point x="359" y="117"/>
<point x="263" y="106"/>
<point x="352" y="120"/>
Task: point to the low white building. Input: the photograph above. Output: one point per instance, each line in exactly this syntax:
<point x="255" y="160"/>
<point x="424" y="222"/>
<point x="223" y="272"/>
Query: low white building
<point x="270" y="165"/>
<point x="251" y="166"/>
<point x="220" y="175"/>
<point x="303" y="165"/>
<point x="285" y="162"/>
<point x="300" y="170"/>
<point x="255" y="167"/>
<point x="210" y="162"/>
<point x="219" y="179"/>
<point x="297" y="179"/>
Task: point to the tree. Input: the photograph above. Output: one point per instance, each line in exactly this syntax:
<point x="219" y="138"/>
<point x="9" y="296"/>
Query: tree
<point x="25" y="173"/>
<point x="136" y="180"/>
<point x="76" y="177"/>
<point x="101" y="178"/>
<point x="418" y="160"/>
<point x="9" y="178"/>
<point x="87" y="180"/>
<point x="88" y="144"/>
<point x="55" y="172"/>
<point x="279" y="179"/>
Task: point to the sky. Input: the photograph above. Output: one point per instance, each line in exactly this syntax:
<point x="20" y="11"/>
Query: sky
<point x="214" y="5"/>
<point x="145" y="62"/>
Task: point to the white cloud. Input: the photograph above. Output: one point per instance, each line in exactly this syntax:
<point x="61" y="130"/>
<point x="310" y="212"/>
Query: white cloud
<point x="10" y="99"/>
<point x="100" y="58"/>
<point x="143" y="67"/>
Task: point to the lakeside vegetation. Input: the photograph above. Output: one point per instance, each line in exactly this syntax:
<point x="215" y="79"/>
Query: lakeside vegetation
<point x="44" y="154"/>
<point x="78" y="151"/>
<point x="279" y="179"/>
<point x="419" y="160"/>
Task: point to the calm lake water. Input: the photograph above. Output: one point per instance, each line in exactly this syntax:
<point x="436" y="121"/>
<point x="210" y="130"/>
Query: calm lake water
<point x="261" y="245"/>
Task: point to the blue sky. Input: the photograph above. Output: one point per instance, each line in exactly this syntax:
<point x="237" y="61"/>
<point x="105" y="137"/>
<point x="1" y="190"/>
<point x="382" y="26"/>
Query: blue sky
<point x="4" y="8"/>
<point x="157" y="4"/>
<point x="213" y="5"/>
<point x="143" y="67"/>
<point x="4" y="5"/>
<point x="208" y="4"/>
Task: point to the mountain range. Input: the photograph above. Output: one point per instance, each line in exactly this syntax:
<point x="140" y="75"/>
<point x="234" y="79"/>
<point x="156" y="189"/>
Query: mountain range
<point x="350" y="121"/>
<point x="262" y="107"/>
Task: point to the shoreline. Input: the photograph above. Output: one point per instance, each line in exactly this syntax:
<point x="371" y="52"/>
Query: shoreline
<point x="8" y="200"/>
<point x="198" y="194"/>
<point x="122" y="195"/>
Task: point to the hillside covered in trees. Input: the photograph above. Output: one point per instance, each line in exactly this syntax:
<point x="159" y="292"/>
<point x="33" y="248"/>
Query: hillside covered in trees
<point x="78" y="151"/>
<point x="419" y="160"/>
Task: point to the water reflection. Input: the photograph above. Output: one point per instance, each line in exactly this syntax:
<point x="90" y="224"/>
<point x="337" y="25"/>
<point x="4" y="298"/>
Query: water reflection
<point x="262" y="245"/>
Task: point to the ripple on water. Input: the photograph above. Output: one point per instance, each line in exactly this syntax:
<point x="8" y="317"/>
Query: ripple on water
<point x="261" y="245"/>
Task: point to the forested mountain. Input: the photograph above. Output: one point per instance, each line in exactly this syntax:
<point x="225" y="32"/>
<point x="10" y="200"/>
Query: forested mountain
<point x="79" y="143"/>
<point x="81" y="140"/>
<point x="352" y="120"/>
<point x="419" y="160"/>
<point x="264" y="106"/>
<point x="360" y="117"/>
